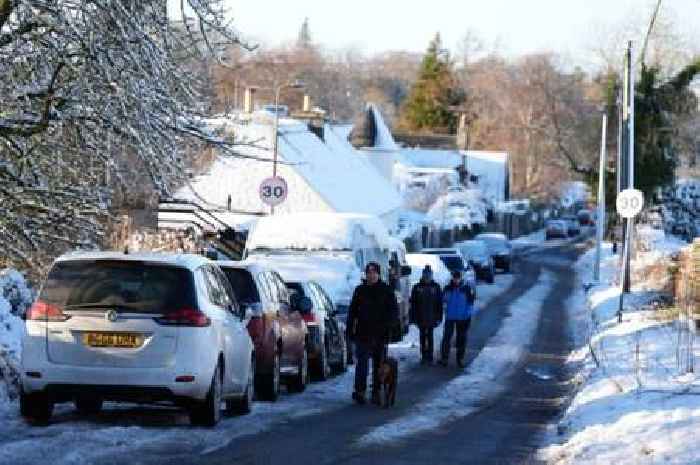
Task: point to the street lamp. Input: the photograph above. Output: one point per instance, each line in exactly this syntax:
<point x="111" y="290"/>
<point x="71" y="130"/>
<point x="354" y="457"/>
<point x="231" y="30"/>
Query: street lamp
<point x="291" y="85"/>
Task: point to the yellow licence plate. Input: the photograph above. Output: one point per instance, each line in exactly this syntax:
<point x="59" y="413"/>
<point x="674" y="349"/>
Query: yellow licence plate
<point x="127" y="340"/>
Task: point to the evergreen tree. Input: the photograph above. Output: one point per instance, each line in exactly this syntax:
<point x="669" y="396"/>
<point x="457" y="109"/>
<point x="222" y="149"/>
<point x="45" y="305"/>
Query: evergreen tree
<point x="427" y="106"/>
<point x="304" y="38"/>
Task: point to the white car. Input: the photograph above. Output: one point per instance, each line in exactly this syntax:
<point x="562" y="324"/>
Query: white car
<point x="417" y="261"/>
<point x="136" y="328"/>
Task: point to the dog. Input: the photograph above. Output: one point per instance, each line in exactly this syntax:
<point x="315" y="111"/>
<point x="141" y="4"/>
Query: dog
<point x="388" y="378"/>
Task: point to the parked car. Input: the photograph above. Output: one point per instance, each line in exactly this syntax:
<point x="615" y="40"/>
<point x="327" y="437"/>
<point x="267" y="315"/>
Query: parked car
<point x="556" y="229"/>
<point x="327" y="346"/>
<point x="278" y="330"/>
<point x="441" y="274"/>
<point x="500" y="249"/>
<point x="454" y="261"/>
<point x="572" y="226"/>
<point x="138" y="328"/>
<point x="358" y="237"/>
<point x="585" y="217"/>
<point x="477" y="253"/>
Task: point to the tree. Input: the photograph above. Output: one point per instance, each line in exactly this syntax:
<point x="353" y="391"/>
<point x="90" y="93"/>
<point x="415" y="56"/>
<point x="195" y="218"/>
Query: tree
<point x="85" y="87"/>
<point x="427" y="107"/>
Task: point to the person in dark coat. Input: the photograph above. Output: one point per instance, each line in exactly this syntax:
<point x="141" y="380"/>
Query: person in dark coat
<point x="458" y="298"/>
<point x="426" y="311"/>
<point x="373" y="314"/>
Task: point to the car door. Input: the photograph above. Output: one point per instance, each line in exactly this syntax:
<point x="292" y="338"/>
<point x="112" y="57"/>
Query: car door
<point x="221" y="319"/>
<point x="239" y="344"/>
<point x="290" y="321"/>
<point x="331" y="329"/>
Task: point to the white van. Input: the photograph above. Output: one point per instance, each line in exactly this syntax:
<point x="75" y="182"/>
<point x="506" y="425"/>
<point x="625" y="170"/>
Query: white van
<point x="361" y="238"/>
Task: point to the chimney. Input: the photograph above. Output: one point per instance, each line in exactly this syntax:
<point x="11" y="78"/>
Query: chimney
<point x="249" y="103"/>
<point x="307" y="104"/>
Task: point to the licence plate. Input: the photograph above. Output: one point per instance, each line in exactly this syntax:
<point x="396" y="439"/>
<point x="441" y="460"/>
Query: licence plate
<point x="127" y="340"/>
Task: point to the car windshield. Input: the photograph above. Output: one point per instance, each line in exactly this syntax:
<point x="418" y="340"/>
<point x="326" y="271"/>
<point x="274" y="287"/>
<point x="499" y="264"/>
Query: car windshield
<point x="476" y="250"/>
<point x="243" y="285"/>
<point x="453" y="262"/>
<point x="132" y="285"/>
<point x="495" y="244"/>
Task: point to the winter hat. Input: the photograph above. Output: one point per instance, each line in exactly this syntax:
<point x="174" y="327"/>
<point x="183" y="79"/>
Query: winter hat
<point x="373" y="265"/>
<point x="457" y="274"/>
<point x="427" y="273"/>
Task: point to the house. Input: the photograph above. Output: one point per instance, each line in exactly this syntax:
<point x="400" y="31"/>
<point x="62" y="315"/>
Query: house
<point x="323" y="172"/>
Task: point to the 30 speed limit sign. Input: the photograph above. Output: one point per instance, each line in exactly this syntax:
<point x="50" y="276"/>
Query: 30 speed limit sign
<point x="273" y="191"/>
<point x="629" y="203"/>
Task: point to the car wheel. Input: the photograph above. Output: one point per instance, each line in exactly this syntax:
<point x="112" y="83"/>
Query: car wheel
<point x="88" y="405"/>
<point x="36" y="407"/>
<point x="301" y="379"/>
<point x="268" y="386"/>
<point x="208" y="413"/>
<point x="243" y="405"/>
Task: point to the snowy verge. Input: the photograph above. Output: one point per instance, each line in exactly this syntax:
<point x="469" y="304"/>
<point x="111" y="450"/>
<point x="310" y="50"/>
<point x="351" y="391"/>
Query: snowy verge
<point x="637" y="403"/>
<point x="482" y="379"/>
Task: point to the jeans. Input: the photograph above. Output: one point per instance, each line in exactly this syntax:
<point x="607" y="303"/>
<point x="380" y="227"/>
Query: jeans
<point x="363" y="352"/>
<point x="426" y="343"/>
<point x="462" y="327"/>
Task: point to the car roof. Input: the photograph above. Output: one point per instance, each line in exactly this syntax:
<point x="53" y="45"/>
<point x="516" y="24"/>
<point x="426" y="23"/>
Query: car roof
<point x="249" y="265"/>
<point x="499" y="236"/>
<point x="440" y="249"/>
<point x="189" y="261"/>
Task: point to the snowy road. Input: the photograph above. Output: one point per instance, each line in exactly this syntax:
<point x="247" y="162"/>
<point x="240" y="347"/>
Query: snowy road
<point x="491" y="413"/>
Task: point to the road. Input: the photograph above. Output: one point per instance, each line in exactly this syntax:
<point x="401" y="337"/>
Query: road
<point x="503" y="430"/>
<point x="487" y="414"/>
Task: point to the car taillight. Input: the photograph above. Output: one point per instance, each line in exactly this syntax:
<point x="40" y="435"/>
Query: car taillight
<point x="184" y="317"/>
<point x="309" y="317"/>
<point x="43" y="311"/>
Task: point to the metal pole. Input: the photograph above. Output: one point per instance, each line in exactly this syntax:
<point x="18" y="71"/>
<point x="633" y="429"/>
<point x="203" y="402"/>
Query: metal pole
<point x="601" y="200"/>
<point x="630" y="161"/>
<point x="275" y="138"/>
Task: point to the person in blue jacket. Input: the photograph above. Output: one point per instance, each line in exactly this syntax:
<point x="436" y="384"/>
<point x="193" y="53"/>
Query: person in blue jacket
<point x="458" y="298"/>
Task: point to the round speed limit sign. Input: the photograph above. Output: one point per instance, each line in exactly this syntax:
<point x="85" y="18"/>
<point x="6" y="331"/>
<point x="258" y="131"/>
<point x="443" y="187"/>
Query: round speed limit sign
<point x="273" y="191"/>
<point x="629" y="203"/>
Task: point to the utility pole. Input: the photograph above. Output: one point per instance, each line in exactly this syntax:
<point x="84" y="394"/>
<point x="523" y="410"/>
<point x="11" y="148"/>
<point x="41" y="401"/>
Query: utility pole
<point x="600" y="223"/>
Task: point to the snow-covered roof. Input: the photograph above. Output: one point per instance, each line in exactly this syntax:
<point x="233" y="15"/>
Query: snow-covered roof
<point x="316" y="231"/>
<point x="190" y="261"/>
<point x="332" y="168"/>
<point x="383" y="139"/>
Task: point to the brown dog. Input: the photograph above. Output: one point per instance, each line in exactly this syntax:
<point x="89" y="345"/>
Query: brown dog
<point x="388" y="378"/>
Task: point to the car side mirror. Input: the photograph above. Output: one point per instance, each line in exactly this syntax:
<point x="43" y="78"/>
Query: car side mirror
<point x="406" y="270"/>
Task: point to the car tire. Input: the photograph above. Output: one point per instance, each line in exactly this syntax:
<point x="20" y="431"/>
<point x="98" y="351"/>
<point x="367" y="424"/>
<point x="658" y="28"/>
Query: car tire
<point x="267" y="387"/>
<point x="88" y="405"/>
<point x="244" y="405"/>
<point x="36" y="407"/>
<point x="301" y="379"/>
<point x="208" y="412"/>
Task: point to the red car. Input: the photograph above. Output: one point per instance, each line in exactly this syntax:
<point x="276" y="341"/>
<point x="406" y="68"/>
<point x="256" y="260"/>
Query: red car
<point x="277" y="328"/>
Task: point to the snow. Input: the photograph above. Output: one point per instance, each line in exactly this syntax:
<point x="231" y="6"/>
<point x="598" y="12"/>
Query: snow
<point x="482" y="379"/>
<point x="383" y="140"/>
<point x="417" y="261"/>
<point x="336" y="273"/>
<point x="459" y="208"/>
<point x="322" y="175"/>
<point x="639" y="403"/>
<point x="15" y="298"/>
<point x="317" y="231"/>
<point x="490" y="167"/>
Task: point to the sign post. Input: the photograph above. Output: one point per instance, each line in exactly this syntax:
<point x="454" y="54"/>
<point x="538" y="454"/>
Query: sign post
<point x="629" y="203"/>
<point x="273" y="191"/>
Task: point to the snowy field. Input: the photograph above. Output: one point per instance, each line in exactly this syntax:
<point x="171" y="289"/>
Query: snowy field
<point x="71" y="439"/>
<point x="637" y="403"/>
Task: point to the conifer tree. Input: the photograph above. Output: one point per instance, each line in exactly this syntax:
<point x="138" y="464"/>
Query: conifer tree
<point x="427" y="107"/>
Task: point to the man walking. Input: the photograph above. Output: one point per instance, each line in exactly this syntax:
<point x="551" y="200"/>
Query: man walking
<point x="459" y="303"/>
<point x="426" y="312"/>
<point x="373" y="313"/>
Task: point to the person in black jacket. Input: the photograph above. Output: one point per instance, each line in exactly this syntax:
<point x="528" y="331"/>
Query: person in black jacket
<point x="426" y="311"/>
<point x="373" y="314"/>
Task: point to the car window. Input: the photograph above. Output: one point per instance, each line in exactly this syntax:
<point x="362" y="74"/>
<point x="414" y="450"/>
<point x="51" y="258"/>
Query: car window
<point x="266" y="287"/>
<point x="243" y="285"/>
<point x="324" y="298"/>
<point x="228" y="290"/>
<point x="216" y="293"/>
<point x="282" y="290"/>
<point x="134" y="285"/>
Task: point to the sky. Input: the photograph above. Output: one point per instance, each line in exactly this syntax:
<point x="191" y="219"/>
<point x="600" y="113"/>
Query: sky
<point x="519" y="26"/>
